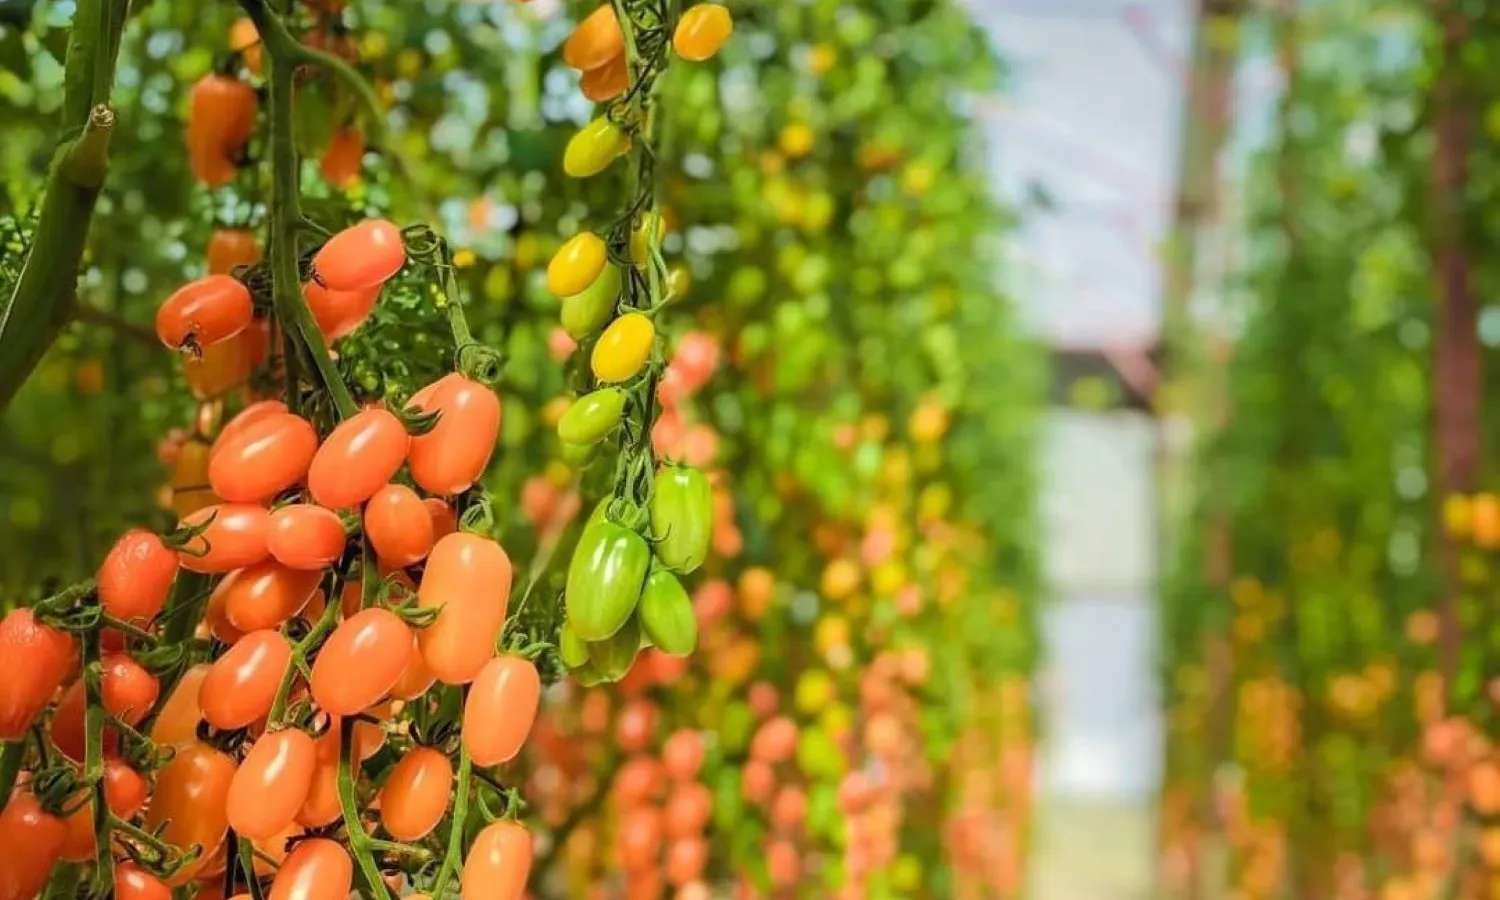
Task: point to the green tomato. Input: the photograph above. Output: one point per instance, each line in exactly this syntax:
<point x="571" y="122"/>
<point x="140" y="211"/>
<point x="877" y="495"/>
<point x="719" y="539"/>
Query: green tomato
<point x="666" y="614"/>
<point x="605" y="577"/>
<point x="613" y="657"/>
<point x="577" y="455"/>
<point x="594" y="147"/>
<point x="570" y="647"/>
<point x="682" y="517"/>
<point x="592" y="416"/>
<point x="586" y="311"/>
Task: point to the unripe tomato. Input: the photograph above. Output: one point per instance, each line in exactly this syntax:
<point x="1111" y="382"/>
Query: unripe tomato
<point x="127" y="690"/>
<point x="358" y="458"/>
<point x="342" y="160"/>
<point x="415" y="795"/>
<point x="576" y="265"/>
<point x="688" y="810"/>
<point x="597" y="40"/>
<point x="650" y="228"/>
<point x="125" y="791"/>
<point x="316" y="869"/>
<point x="361" y="661"/>
<point x="272" y="783"/>
<point x="592" y="416"/>
<point x="454" y="454"/>
<point x="177" y="721"/>
<point x="241" y="685"/>
<point x="468" y="577"/>
<point x="613" y="657"/>
<point x="682" y="754"/>
<point x="134" y="883"/>
<point x="221" y="118"/>
<point x="191" y="793"/>
<point x="623" y="349"/>
<point x="361" y="256"/>
<point x="266" y="457"/>
<point x="305" y="537"/>
<point x="682" y="517"/>
<point x="38" y="657"/>
<point x="607" y="82"/>
<point x="498" y="863"/>
<point x="701" y="31"/>
<point x="667" y="614"/>
<point x="605" y="578"/>
<point x="339" y="313"/>
<point x="416" y="679"/>
<point x="248" y="416"/>
<point x="136" y="576"/>
<point x="231" y="247"/>
<point x="33" y="841"/>
<point x="235" y="538"/>
<point x="264" y="595"/>
<point x="594" y="147"/>
<point x="398" y="525"/>
<point x="500" y="709"/>
<point x="204" y="312"/>
<point x="586" y="312"/>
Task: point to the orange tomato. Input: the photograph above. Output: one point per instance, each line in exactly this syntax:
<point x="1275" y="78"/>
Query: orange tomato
<point x="686" y="858"/>
<point x="597" y="40"/>
<point x="136" y="576"/>
<point x="190" y="491"/>
<point x="134" y="883"/>
<point x="264" y="595"/>
<point x="358" y="458"/>
<point x="361" y="256"/>
<point x="399" y="525"/>
<point x="500" y="709"/>
<point x="177" y="721"/>
<point x="221" y="118"/>
<point x="235" y="538"/>
<point x="231" y="247"/>
<point x="636" y="725"/>
<point x="322" y="803"/>
<point x="33" y="841"/>
<point x="67" y="726"/>
<point x="451" y="457"/>
<point x="38" y="657"/>
<point x="444" y="521"/>
<point x="339" y="313"/>
<point x="272" y="783"/>
<point x="125" y="791"/>
<point x="640" y="779"/>
<point x="227" y="364"/>
<point x="241" y="685"/>
<point x="246" y="417"/>
<point x="204" y="312"/>
<point x="189" y="803"/>
<point x="639" y="837"/>
<point x="316" y="869"/>
<point x="127" y="690"/>
<point x="701" y="31"/>
<point x="775" y="741"/>
<point x="341" y="161"/>
<point x="360" y="661"/>
<point x="414" y="797"/>
<point x="304" y="536"/>
<point x="265" y="458"/>
<point x="682" y="754"/>
<point x="498" y="863"/>
<point x="468" y="580"/>
<point x="416" y="679"/>
<point x="688" y="810"/>
<point x="606" y="82"/>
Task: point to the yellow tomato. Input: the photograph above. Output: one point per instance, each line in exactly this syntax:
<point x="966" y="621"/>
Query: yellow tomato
<point x="701" y="31"/>
<point x="796" y="140"/>
<point x="594" y="147"/>
<point x="623" y="348"/>
<point x="576" y="264"/>
<point x="840" y="579"/>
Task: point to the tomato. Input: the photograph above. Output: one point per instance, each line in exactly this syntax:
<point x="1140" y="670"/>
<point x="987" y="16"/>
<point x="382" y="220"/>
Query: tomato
<point x="789" y="808"/>
<point x="498" y="863"/>
<point x="361" y="256"/>
<point x="125" y="790"/>
<point x="190" y="491"/>
<point x="623" y="348"/>
<point x="247" y="417"/>
<point x="316" y="869"/>
<point x="191" y="793"/>
<point x="416" y="678"/>
<point x="134" y="883"/>
<point x="361" y="661"/>
<point x="234" y="539"/>
<point x="216" y="619"/>
<point x="682" y="754"/>
<point x="127" y="690"/>
<point x="666" y="614"/>
<point x="468" y="577"/>
<point x="613" y="656"/>
<point x="500" y="709"/>
<point x="682" y="517"/>
<point x="701" y="31"/>
<point x="321" y="806"/>
<point x="444" y="520"/>
<point x="577" y="264"/>
<point x="607" y="82"/>
<point x="358" y="458"/>
<point x="67" y="726"/>
<point x="231" y="247"/>
<point x="415" y="795"/>
<point x="344" y="156"/>
<point x="271" y="783"/>
<point x="586" y="312"/>
<point x="597" y="40"/>
<point x="78" y="842"/>
<point x="605" y="578"/>
<point x="339" y="313"/>
<point x="638" y="781"/>
<point x="635" y="725"/>
<point x="241" y="685"/>
<point x="177" y="721"/>
<point x="594" y="147"/>
<point x="264" y="595"/>
<point x="639" y="837"/>
<point x="398" y="525"/>
<point x="305" y="537"/>
<point x="686" y="858"/>
<point x="454" y="454"/>
<point x="688" y="809"/>
<point x="775" y="741"/>
<point x="592" y="416"/>
<point x="573" y="649"/>
<point x="37" y="659"/>
<point x="33" y="841"/>
<point x="204" y="312"/>
<point x="265" y="458"/>
<point x="221" y="118"/>
<point x="227" y="364"/>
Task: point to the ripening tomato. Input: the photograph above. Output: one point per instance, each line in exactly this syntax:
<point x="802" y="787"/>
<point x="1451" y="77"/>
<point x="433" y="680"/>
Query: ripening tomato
<point x="416" y="678"/>
<point x="339" y="313"/>
<point x="414" y="797"/>
<point x="33" y="840"/>
<point x="701" y="31"/>
<point x="783" y="863"/>
<point x="468" y="579"/>
<point x="579" y="261"/>
<point x="224" y="366"/>
<point x="271" y="783"/>
<point x="134" y="883"/>
<point x="360" y="661"/>
<point x="607" y="82"/>
<point x="305" y="537"/>
<point x="177" y="721"/>
<point x="346" y="152"/>
<point x="231" y="247"/>
<point x="37" y="658"/>
<point x="454" y="454"/>
<point x="623" y="349"/>
<point x="688" y="810"/>
<point x="316" y="869"/>
<point x="241" y="685"/>
<point x="789" y="808"/>
<point x="500" y="709"/>
<point x="361" y="256"/>
<point x="358" y="458"/>
<point x="594" y="147"/>
<point x="592" y="416"/>
<point x="498" y="863"/>
<point x="586" y="312"/>
<point x="398" y="525"/>
<point x="235" y="538"/>
<point x="204" y="312"/>
<point x="136" y="576"/>
<point x="264" y="595"/>
<point x="265" y="458"/>
<point x="221" y="118"/>
<point x="125" y="790"/>
<point x="191" y="793"/>
<point x="248" y="416"/>
<point x="127" y="690"/>
<point x="682" y="754"/>
<point x="597" y="40"/>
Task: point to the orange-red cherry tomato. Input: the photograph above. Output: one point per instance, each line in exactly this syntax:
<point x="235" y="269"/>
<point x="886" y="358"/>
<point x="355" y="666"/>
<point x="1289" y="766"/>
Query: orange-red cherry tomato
<point x="134" y="883"/>
<point x="341" y="161"/>
<point x="686" y="858"/>
<point x="682" y="754"/>
<point x="361" y="661"/>
<point x="469" y="578"/>
<point x="191" y="792"/>
<point x="216" y="618"/>
<point x="361" y="256"/>
<point x="231" y="247"/>
<point x="246" y="417"/>
<point x="498" y="863"/>
<point x="78" y="844"/>
<point x="266" y="457"/>
<point x="339" y="313"/>
<point x="241" y="685"/>
<point x="221" y="118"/>
<point x="136" y="576"/>
<point x="177" y="722"/>
<point x="414" y="797"/>
<point x="235" y="538"/>
<point x="272" y="783"/>
<point x="322" y="803"/>
<point x="125" y="791"/>
<point x="688" y="809"/>
<point x="67" y="726"/>
<point x="204" y="312"/>
<point x="398" y="525"/>
<point x="127" y="690"/>
<point x="316" y="869"/>
<point x="38" y="657"/>
<point x="597" y="40"/>
<point x="32" y="839"/>
<point x="264" y="595"/>
<point x="416" y="679"/>
<point x="500" y="709"/>
<point x="305" y="536"/>
<point x="452" y="456"/>
<point x="358" y="458"/>
<point x="444" y="520"/>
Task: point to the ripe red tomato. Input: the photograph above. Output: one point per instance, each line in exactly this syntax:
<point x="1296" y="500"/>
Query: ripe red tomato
<point x="414" y="797"/>
<point x="775" y="741"/>
<point x="241" y="685"/>
<point x="399" y="525"/>
<point x="304" y="536"/>
<point x="361" y="661"/>
<point x="688" y="809"/>
<point x="498" y="863"/>
<point x="361" y="256"/>
<point x="234" y="539"/>
<point x="272" y="783"/>
<point x="125" y="790"/>
<point x="452" y="456"/>
<point x="177" y="721"/>
<point x="316" y="869"/>
<point x="265" y="458"/>
<point x="683" y="754"/>
<point x="264" y="595"/>
<point x="190" y="797"/>
<point x="136" y="576"/>
<point x="204" y="312"/>
<point x="33" y="841"/>
<point x="67" y="726"/>
<point x="500" y="709"/>
<point x="127" y="690"/>
<point x="38" y="657"/>
<point x="78" y="842"/>
<point x="339" y="313"/>
<point x="247" y="417"/>
<point x="134" y="883"/>
<point x="468" y="579"/>
<point x="358" y="458"/>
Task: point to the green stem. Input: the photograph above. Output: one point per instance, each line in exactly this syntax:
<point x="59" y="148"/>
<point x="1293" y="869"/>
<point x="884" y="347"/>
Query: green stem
<point x="247" y="866"/>
<point x="11" y="755"/>
<point x="454" y="855"/>
<point x="359" y="839"/>
<point x="93" y="761"/>
<point x="299" y="656"/>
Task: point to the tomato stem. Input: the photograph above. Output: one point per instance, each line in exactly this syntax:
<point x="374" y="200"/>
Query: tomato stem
<point x="454" y="856"/>
<point x="93" y="762"/>
<point x="359" y="839"/>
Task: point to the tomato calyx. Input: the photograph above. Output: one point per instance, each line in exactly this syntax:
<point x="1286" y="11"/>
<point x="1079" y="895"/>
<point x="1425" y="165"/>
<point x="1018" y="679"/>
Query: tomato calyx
<point x="416" y="420"/>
